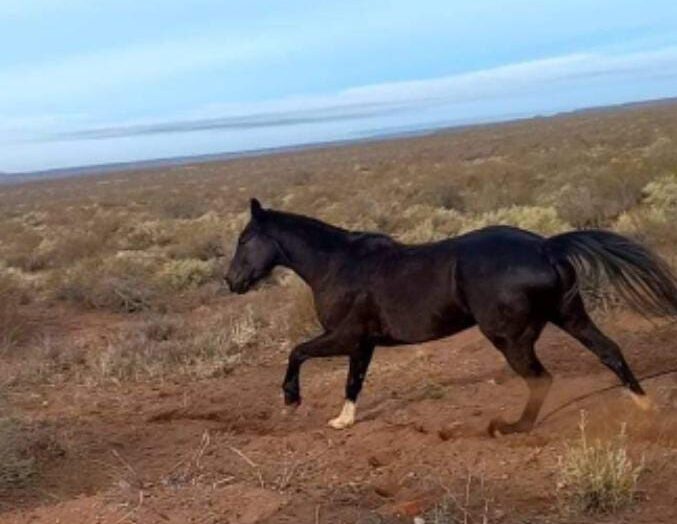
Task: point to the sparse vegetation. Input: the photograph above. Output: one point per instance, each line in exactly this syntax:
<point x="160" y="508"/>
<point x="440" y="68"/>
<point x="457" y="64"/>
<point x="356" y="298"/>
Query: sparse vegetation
<point x="471" y="506"/>
<point x="162" y="346"/>
<point x="13" y="326"/>
<point x="112" y="302"/>
<point x="156" y="242"/>
<point x="597" y="476"/>
<point x="17" y="465"/>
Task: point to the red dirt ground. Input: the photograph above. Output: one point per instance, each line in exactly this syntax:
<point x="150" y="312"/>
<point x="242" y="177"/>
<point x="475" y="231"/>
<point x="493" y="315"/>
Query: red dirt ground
<point x="223" y="450"/>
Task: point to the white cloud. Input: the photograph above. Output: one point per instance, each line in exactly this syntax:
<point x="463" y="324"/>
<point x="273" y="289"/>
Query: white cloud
<point x="509" y="79"/>
<point x="514" y="90"/>
<point x="503" y="82"/>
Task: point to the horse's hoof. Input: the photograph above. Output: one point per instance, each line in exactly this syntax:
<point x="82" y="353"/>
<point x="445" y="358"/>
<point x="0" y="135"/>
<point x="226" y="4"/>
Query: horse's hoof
<point x="346" y="418"/>
<point x="499" y="427"/>
<point x="292" y="400"/>
<point x="340" y="423"/>
<point x="494" y="428"/>
<point x="644" y="402"/>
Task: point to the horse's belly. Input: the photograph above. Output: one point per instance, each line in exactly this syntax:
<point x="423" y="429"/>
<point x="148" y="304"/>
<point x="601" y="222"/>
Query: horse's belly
<point x="414" y="324"/>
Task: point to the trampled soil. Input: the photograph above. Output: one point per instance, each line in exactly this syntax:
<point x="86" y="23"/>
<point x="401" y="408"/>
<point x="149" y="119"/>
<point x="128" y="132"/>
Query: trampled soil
<point x="223" y="450"/>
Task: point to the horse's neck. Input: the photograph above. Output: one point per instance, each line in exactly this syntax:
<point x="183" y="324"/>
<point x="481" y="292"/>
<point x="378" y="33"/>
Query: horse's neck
<point x="309" y="255"/>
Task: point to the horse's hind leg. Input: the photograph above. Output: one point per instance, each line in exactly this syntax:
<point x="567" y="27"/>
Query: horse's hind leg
<point x="522" y="358"/>
<point x="575" y="320"/>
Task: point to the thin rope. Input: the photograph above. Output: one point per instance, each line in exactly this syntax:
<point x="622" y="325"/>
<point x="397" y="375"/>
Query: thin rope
<point x="598" y="391"/>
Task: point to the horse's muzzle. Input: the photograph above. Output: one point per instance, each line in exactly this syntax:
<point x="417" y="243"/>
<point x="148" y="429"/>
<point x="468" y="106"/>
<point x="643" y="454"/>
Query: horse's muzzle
<point x="238" y="286"/>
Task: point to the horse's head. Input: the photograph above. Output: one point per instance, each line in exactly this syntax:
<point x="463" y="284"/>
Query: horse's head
<point x="256" y="254"/>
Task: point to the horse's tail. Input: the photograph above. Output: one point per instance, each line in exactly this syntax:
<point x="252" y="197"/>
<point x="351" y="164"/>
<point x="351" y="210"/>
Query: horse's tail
<point x="639" y="276"/>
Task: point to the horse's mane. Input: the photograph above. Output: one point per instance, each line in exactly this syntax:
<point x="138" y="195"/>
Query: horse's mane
<point x="316" y="229"/>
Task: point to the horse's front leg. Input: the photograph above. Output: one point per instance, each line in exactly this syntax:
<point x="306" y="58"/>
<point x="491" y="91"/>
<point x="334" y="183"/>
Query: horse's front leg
<point x="329" y="344"/>
<point x="359" y="363"/>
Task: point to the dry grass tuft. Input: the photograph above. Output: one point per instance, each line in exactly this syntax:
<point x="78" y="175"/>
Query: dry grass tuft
<point x="598" y="476"/>
<point x="472" y="506"/>
<point x="161" y="346"/>
<point x="13" y="326"/>
<point x="17" y="466"/>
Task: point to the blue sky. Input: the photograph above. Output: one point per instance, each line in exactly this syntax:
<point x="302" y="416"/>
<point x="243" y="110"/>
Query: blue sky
<point x="91" y="82"/>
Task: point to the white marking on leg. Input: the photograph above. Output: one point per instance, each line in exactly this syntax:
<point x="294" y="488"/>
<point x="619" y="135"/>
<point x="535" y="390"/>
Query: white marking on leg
<point x="643" y="402"/>
<point x="346" y="418"/>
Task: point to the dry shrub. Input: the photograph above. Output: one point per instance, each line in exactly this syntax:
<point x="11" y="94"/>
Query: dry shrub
<point x="131" y="281"/>
<point x="202" y="238"/>
<point x="158" y="328"/>
<point x="654" y="220"/>
<point x="243" y="329"/>
<point x="24" y="446"/>
<point x="441" y="195"/>
<point x="13" y="326"/>
<point x="472" y="506"/>
<point x="17" y="466"/>
<point x="70" y="246"/>
<point x="661" y="194"/>
<point x="497" y="185"/>
<point x="183" y="206"/>
<point x="597" y="476"/>
<point x="187" y="273"/>
<point x="161" y="346"/>
<point x="119" y="283"/>
<point x="18" y="245"/>
<point x="146" y="234"/>
<point x="421" y="223"/>
<point x="48" y="360"/>
<point x="594" y="197"/>
<point x="301" y="316"/>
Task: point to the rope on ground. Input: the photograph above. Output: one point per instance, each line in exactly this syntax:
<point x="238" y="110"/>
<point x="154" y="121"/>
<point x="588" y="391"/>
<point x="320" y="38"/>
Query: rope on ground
<point x="603" y="390"/>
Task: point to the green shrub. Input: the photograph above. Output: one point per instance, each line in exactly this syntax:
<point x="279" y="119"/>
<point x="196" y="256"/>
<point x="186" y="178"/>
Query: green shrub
<point x="654" y="220"/>
<point x="422" y="223"/>
<point x="187" y="273"/>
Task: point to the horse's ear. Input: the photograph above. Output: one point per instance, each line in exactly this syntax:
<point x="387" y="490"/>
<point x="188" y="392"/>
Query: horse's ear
<point x="256" y="208"/>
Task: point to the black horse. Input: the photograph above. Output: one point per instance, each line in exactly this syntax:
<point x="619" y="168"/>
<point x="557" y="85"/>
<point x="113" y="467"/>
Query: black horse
<point x="371" y="290"/>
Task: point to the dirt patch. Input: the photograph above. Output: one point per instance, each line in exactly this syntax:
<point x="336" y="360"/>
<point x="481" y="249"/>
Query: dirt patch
<point x="225" y="450"/>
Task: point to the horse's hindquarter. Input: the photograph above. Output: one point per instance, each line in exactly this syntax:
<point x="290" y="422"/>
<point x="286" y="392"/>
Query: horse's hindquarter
<point x="414" y="293"/>
<point x="502" y="266"/>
